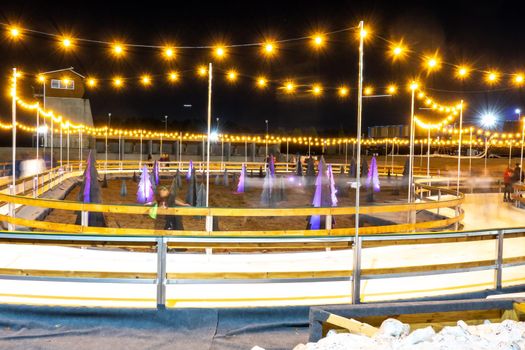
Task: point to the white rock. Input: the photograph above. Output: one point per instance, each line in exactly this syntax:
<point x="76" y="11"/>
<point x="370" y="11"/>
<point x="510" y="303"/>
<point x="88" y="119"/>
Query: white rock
<point x="419" y="335"/>
<point x="300" y="347"/>
<point x="257" y="348"/>
<point x="393" y="328"/>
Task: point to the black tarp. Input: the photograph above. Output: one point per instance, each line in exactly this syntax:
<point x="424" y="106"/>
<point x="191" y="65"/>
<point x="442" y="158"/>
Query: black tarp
<point x="61" y="328"/>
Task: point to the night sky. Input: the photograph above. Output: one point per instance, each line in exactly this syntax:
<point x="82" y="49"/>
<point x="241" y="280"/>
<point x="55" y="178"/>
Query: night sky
<point x="483" y="34"/>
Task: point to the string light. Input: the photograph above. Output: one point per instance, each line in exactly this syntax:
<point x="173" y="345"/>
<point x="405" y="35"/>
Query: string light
<point x="202" y="71"/>
<point x="66" y="42"/>
<point x="317" y="89"/>
<point x="219" y="51"/>
<point x="173" y="76"/>
<point x="231" y="75"/>
<point x="118" y="49"/>
<point x="262" y="82"/>
<point x="289" y="87"/>
<point x="462" y="72"/>
<point x="392" y="89"/>
<point x="269" y="48"/>
<point x="397" y="50"/>
<point x="492" y="77"/>
<point x="318" y="40"/>
<point x="118" y="82"/>
<point x="14" y="32"/>
<point x="368" y="90"/>
<point x="343" y="91"/>
<point x="145" y="80"/>
<point x="518" y="79"/>
<point x="169" y="53"/>
<point x="92" y="82"/>
<point x="432" y="63"/>
<point x="41" y="78"/>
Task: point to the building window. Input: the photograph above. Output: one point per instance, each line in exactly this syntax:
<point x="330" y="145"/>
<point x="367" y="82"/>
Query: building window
<point x="63" y="84"/>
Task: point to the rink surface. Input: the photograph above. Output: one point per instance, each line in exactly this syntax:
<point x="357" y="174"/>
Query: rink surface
<point x="482" y="211"/>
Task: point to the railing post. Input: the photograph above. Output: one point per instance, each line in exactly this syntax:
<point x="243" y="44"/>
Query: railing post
<point x="439" y="199"/>
<point x="84" y="218"/>
<point x="161" y="272"/>
<point x="498" y="273"/>
<point x="11" y="206"/>
<point x="356" y="272"/>
<point x="328" y="222"/>
<point x="35" y="186"/>
<point x="209" y="223"/>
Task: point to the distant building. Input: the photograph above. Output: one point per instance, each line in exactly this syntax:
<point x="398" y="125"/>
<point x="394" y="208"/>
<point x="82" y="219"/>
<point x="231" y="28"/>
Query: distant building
<point x="388" y="131"/>
<point x="64" y="95"/>
<point x="511" y="126"/>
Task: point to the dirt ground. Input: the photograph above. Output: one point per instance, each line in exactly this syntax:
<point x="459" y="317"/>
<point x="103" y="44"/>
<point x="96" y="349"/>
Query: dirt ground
<point x="222" y="196"/>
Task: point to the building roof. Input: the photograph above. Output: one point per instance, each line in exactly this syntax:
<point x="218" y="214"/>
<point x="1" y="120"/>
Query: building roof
<point x="70" y="69"/>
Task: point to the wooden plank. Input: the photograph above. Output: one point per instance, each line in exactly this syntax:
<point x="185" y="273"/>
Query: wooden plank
<point x="77" y="274"/>
<point x="351" y="325"/>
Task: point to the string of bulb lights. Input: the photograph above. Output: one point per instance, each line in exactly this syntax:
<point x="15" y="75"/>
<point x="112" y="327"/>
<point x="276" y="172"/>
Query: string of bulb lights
<point x="480" y="137"/>
<point x="397" y="51"/>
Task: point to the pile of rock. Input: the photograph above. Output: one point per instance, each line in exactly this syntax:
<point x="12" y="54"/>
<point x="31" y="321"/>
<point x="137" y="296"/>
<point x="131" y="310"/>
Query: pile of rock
<point x="395" y="335"/>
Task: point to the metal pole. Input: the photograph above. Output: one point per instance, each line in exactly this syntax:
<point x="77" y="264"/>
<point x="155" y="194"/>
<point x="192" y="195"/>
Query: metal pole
<point x="286" y="155"/>
<point x="222" y="153"/>
<point x="510" y="152"/>
<point x="210" y="75"/>
<point x="486" y="151"/>
<point x="80" y="148"/>
<point x="267" y="138"/>
<point x="356" y="270"/>
<point x="106" y="164"/>
<point x="245" y="151"/>
<point x="68" y="143"/>
<point x="37" y="130"/>
<point x="411" y="150"/>
<point x="521" y="155"/>
<point x="470" y="154"/>
<point x="13" y="149"/>
<point x="346" y="152"/>
<point x="61" y="144"/>
<point x="180" y="149"/>
<point x="52" y="139"/>
<point x="160" y="147"/>
<point x="140" y="149"/>
<point x="386" y="154"/>
<point x="459" y="144"/>
<point x="428" y="153"/>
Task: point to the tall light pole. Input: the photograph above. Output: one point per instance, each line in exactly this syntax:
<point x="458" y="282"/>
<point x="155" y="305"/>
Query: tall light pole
<point x="356" y="269"/>
<point x="413" y="88"/>
<point x="518" y="112"/>
<point x="13" y="115"/>
<point x="210" y="77"/>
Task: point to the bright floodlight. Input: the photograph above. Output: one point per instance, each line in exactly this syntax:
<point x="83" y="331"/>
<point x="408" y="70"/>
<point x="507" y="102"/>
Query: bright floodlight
<point x="42" y="129"/>
<point x="517" y="111"/>
<point x="488" y="120"/>
<point x="214" y="136"/>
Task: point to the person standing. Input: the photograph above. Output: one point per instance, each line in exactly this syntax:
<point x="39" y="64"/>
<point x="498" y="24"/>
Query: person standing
<point x="507" y="181"/>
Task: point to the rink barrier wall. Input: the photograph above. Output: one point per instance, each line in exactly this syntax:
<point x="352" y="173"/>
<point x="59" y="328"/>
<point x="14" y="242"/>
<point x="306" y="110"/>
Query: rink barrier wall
<point x="162" y="277"/>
